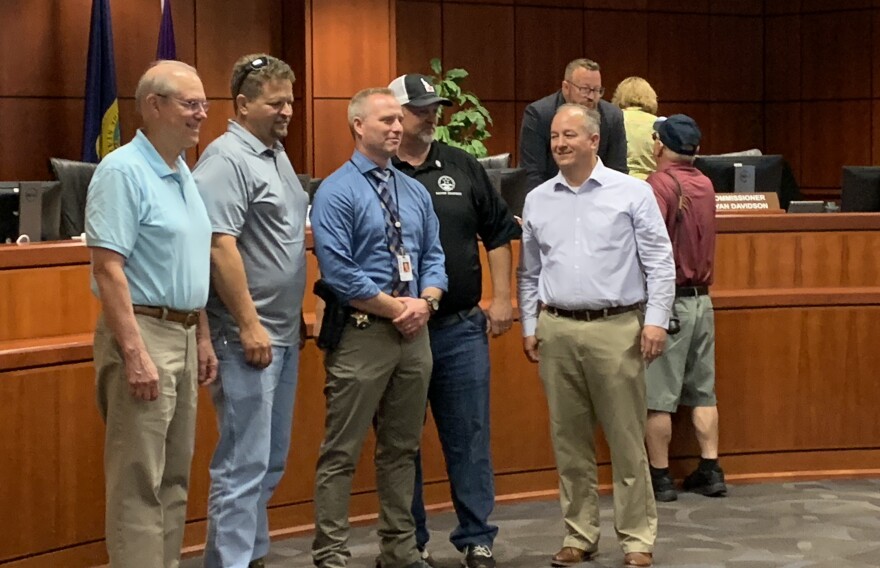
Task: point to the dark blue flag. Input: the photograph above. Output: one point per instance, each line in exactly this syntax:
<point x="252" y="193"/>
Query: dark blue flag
<point x="166" y="48"/>
<point x="101" y="121"/>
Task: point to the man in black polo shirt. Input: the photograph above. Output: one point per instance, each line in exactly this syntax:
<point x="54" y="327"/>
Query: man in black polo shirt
<point x="468" y="209"/>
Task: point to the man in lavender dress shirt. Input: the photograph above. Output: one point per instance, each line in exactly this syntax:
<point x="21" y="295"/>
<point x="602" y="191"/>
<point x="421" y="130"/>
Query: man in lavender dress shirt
<point x="596" y="258"/>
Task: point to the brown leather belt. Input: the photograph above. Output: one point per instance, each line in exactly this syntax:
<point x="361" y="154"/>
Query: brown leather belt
<point x="590" y="315"/>
<point x="187" y="319"/>
<point x="691" y="291"/>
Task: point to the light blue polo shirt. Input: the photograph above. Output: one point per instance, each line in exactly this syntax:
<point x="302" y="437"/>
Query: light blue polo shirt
<point x="154" y="217"/>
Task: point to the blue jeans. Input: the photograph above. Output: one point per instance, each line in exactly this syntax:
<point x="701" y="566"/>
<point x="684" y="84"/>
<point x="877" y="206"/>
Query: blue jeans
<point x="459" y="399"/>
<point x="255" y="415"/>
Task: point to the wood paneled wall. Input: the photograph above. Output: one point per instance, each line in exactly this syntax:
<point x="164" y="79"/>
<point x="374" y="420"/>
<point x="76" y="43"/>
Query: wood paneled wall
<point x="703" y="58"/>
<point x="822" y="80"/>
<point x="797" y="77"/>
<point x="351" y="47"/>
<point x="43" y="50"/>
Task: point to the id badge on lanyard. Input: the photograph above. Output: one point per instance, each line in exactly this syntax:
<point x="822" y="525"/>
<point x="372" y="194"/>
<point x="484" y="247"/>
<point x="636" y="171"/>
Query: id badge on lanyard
<point x="404" y="267"/>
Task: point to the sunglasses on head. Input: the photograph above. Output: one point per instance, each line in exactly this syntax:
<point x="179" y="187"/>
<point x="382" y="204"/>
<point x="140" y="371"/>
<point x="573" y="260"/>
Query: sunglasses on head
<point x="252" y="66"/>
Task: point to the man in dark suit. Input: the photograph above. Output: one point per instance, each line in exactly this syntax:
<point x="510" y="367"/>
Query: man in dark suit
<point x="582" y="85"/>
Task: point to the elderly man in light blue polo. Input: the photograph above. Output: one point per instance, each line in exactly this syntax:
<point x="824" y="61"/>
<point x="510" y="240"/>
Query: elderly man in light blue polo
<point x="149" y="237"/>
<point x="257" y="209"/>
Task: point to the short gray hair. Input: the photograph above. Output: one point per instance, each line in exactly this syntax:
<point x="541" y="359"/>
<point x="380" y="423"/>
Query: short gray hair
<point x="591" y="117"/>
<point x="582" y="63"/>
<point x="357" y="102"/>
<point x="157" y="82"/>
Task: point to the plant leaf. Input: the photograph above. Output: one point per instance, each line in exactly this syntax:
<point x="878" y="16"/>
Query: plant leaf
<point x="479" y="149"/>
<point x="436" y="67"/>
<point x="456" y="74"/>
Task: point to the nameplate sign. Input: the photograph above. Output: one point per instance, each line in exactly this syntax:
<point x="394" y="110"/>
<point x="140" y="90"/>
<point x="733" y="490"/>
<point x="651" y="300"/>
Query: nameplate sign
<point x="746" y="202"/>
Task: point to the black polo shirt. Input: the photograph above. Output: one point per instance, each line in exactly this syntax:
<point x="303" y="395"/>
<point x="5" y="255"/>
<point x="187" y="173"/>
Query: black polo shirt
<point x="467" y="206"/>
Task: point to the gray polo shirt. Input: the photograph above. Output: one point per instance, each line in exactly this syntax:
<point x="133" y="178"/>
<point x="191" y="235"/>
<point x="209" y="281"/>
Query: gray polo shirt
<point x="252" y="193"/>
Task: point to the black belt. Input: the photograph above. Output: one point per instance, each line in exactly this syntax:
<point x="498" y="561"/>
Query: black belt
<point x="691" y="291"/>
<point x="452" y="319"/>
<point x="590" y="315"/>
<point x="186" y="319"/>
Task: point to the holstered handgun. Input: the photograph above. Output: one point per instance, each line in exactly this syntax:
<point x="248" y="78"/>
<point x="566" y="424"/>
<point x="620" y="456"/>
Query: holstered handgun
<point x="335" y="317"/>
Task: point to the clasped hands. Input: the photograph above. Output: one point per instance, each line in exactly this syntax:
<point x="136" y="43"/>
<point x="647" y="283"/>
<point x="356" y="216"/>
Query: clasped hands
<point x="413" y="317"/>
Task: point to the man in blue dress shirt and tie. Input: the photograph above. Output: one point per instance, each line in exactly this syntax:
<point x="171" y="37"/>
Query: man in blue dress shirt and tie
<point x="378" y="247"/>
<point x="596" y="287"/>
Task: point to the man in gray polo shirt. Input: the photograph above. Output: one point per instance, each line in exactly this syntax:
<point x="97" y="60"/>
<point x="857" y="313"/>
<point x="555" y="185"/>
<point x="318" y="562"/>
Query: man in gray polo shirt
<point x="258" y="211"/>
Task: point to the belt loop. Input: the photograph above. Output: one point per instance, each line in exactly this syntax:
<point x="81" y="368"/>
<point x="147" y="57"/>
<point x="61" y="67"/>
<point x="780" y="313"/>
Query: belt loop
<point x="164" y="313"/>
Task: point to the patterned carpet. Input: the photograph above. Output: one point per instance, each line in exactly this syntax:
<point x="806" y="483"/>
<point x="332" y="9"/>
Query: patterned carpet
<point x="828" y="524"/>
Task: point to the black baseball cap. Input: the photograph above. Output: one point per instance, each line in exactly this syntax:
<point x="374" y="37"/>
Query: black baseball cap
<point x="679" y="133"/>
<point x="416" y="90"/>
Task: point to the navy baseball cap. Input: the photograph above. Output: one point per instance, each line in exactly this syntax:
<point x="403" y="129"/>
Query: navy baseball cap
<point x="679" y="133"/>
<point x="416" y="90"/>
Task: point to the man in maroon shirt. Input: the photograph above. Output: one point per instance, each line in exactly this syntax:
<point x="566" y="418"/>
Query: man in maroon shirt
<point x="685" y="373"/>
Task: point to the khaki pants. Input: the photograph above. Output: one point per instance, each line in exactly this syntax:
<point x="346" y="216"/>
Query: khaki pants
<point x="594" y="371"/>
<point x="148" y="446"/>
<point x="373" y="373"/>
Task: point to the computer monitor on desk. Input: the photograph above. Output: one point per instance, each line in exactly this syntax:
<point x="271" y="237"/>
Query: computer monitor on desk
<point x="743" y="173"/>
<point x="860" y="189"/>
<point x="31" y="208"/>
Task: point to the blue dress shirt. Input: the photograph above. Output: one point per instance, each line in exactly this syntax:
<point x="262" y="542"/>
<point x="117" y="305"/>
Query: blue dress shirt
<point x="348" y="227"/>
<point x="600" y="245"/>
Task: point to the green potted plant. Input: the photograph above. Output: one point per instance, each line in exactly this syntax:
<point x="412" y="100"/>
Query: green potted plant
<point x="466" y="127"/>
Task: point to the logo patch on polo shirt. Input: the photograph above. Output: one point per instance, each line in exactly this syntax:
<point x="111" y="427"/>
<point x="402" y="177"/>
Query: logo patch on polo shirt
<point x="446" y="183"/>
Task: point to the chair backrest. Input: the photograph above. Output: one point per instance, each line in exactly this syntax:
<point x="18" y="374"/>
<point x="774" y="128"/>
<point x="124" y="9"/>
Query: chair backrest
<point x="752" y="152"/>
<point x="74" y="177"/>
<point x="495" y="162"/>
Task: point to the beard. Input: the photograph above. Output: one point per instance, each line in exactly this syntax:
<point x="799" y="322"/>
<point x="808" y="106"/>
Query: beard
<point x="426" y="136"/>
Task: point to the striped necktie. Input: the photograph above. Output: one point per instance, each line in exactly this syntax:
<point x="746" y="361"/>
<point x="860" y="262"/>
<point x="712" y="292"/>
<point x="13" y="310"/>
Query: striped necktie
<point x="393" y="233"/>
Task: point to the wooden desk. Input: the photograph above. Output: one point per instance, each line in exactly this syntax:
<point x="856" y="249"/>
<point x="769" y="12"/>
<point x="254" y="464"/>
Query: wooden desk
<point x="797" y="312"/>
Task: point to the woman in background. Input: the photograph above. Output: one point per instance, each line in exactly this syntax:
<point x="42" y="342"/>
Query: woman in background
<point x="638" y="101"/>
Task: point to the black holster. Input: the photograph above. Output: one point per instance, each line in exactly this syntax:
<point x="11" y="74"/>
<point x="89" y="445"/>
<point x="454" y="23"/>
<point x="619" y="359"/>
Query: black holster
<point x="335" y="317"/>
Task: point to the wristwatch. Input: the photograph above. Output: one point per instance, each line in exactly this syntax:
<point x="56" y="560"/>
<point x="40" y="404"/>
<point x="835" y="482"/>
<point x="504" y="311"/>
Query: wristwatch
<point x="433" y="304"/>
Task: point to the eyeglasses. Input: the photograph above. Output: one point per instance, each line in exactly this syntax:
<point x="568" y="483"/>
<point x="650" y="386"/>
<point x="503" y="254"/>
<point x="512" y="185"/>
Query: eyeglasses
<point x="252" y="66"/>
<point x="587" y="91"/>
<point x="192" y="105"/>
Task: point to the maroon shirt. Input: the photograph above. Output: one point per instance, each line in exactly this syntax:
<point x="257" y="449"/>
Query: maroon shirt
<point x="693" y="236"/>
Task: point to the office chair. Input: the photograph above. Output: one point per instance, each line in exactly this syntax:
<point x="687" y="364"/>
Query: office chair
<point x="74" y="177"/>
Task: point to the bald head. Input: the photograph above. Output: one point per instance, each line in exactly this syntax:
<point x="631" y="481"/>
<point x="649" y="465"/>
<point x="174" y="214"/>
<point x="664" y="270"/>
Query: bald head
<point x="163" y="77"/>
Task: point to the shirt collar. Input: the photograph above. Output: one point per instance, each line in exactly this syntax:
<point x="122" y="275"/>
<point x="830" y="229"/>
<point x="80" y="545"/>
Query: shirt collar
<point x="249" y="139"/>
<point x="155" y="161"/>
<point x="674" y="166"/>
<point x="364" y="164"/>
<point x="432" y="160"/>
<point x="598" y="178"/>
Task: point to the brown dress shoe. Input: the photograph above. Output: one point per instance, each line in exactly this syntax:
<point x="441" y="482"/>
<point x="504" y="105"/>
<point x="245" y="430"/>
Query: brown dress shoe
<point x="569" y="556"/>
<point x="641" y="559"/>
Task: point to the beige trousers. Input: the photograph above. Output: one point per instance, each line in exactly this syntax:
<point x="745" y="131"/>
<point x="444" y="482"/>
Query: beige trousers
<point x="148" y="446"/>
<point x="593" y="371"/>
<point x="373" y="373"/>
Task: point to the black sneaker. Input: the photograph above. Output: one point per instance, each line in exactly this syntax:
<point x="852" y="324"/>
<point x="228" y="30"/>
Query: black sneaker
<point x="478" y="556"/>
<point x="664" y="488"/>
<point x="709" y="483"/>
<point x="257" y="563"/>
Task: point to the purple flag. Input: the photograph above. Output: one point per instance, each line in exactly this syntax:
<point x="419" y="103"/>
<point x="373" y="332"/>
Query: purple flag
<point x="166" y="48"/>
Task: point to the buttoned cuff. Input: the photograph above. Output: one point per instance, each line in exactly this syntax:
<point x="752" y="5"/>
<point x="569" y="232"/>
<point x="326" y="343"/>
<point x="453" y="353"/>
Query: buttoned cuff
<point x="657" y="316"/>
